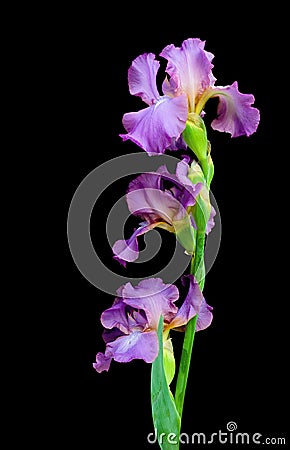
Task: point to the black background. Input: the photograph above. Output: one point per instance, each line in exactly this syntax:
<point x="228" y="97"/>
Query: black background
<point x="238" y="368"/>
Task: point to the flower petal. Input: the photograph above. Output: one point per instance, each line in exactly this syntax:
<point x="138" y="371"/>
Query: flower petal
<point x="153" y="128"/>
<point x="136" y="345"/>
<point x="235" y="113"/>
<point x="154" y="297"/>
<point x="191" y="64"/>
<point x="155" y="205"/>
<point x="102" y="362"/>
<point x="191" y="305"/>
<point x="205" y="316"/>
<point x="142" y="77"/>
<point x="116" y="317"/>
<point x="210" y="224"/>
<point x="128" y="250"/>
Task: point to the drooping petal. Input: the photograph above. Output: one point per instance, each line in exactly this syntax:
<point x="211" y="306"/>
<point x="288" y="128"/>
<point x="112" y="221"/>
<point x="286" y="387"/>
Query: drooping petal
<point x="128" y="250"/>
<point x="191" y="305"/>
<point x="136" y="345"/>
<point x="191" y="64"/>
<point x="154" y="297"/>
<point x="102" y="362"/>
<point x="153" y="128"/>
<point x="235" y="113"/>
<point x="205" y="316"/>
<point x="142" y="77"/>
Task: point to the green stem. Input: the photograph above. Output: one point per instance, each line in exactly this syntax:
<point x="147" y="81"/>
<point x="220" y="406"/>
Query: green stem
<point x="197" y="269"/>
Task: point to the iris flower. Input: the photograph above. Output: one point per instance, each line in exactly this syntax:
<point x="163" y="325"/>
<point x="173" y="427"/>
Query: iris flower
<point x="131" y="323"/>
<point x="189" y="86"/>
<point x="162" y="200"/>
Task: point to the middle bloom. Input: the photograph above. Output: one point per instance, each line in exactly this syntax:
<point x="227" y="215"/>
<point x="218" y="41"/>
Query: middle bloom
<point x="162" y="200"/>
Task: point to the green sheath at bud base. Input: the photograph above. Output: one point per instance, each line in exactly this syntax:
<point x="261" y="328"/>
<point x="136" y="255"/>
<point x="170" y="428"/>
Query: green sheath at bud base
<point x="195" y="136"/>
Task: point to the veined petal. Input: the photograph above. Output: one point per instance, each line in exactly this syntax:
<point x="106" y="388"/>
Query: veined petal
<point x="102" y="362"/>
<point x="155" y="205"/>
<point x="153" y="128"/>
<point x="191" y="305"/>
<point x="142" y="77"/>
<point x="136" y="345"/>
<point x="128" y="250"/>
<point x="205" y="316"/>
<point x="154" y="297"/>
<point x="191" y="64"/>
<point x="235" y="113"/>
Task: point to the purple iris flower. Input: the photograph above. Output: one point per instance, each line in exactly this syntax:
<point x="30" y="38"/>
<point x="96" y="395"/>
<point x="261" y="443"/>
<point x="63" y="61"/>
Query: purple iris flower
<point x="131" y="323"/>
<point x="160" y="199"/>
<point x="190" y="85"/>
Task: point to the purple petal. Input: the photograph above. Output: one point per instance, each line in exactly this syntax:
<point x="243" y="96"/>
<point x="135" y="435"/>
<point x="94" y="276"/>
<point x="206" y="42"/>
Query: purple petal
<point x="102" y="362"/>
<point x="154" y="297"/>
<point x="142" y="78"/>
<point x="191" y="305"/>
<point x="116" y="317"/>
<point x="136" y="345"/>
<point x="128" y="250"/>
<point x="191" y="64"/>
<point x="146" y="180"/>
<point x="235" y="114"/>
<point x="205" y="316"/>
<point x="210" y="224"/>
<point x="111" y="335"/>
<point x="155" y="205"/>
<point x="153" y="128"/>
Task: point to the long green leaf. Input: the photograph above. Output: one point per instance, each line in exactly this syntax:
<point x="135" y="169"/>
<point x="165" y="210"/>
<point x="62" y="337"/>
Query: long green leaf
<point x="166" y="419"/>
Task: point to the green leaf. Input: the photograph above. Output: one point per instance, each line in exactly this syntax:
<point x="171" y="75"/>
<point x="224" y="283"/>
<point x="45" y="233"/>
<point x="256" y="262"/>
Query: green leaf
<point x="165" y="416"/>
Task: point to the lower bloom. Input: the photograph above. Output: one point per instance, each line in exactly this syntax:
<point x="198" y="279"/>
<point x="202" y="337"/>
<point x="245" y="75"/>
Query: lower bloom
<point x="131" y="323"/>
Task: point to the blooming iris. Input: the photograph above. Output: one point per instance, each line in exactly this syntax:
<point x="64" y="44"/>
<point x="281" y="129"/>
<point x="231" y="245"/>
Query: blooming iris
<point x="189" y="86"/>
<point x="162" y="200"/>
<point x="131" y="323"/>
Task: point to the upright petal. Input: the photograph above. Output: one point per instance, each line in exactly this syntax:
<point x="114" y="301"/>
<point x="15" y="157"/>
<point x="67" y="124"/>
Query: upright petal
<point x="154" y="128"/>
<point x="136" y="345"/>
<point x="235" y="113"/>
<point x="128" y="250"/>
<point x="155" y="205"/>
<point x="191" y="64"/>
<point x="191" y="305"/>
<point x="154" y="297"/>
<point x="142" y="77"/>
<point x="116" y="317"/>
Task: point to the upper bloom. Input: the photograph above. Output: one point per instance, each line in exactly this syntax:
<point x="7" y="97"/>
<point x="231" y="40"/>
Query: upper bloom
<point x="131" y="323"/>
<point x="185" y="93"/>
<point x="162" y="200"/>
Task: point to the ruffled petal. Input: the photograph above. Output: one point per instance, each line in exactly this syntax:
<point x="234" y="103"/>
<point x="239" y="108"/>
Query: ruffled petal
<point x="116" y="317"/>
<point x="154" y="128"/>
<point x="155" y="205"/>
<point x="154" y="297"/>
<point x="191" y="65"/>
<point x="142" y="78"/>
<point x="235" y="113"/>
<point x="102" y="362"/>
<point x="205" y="316"/>
<point x="136" y="345"/>
<point x="128" y="250"/>
<point x="191" y="305"/>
